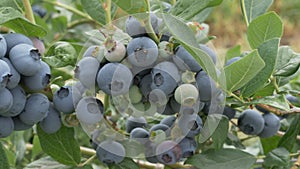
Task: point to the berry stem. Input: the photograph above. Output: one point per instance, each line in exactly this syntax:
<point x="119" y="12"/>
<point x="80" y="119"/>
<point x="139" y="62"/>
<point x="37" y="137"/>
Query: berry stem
<point x="244" y="12"/>
<point x="88" y="161"/>
<point x="71" y="9"/>
<point x="28" y="11"/>
<point x="108" y="11"/>
<point x="274" y="82"/>
<point x="148" y="26"/>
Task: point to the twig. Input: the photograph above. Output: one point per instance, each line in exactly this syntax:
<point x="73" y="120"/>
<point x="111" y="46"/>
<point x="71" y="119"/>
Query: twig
<point x="244" y="12"/>
<point x="293" y="110"/>
<point x="108" y="11"/>
<point x="296" y="164"/>
<point x="280" y="133"/>
<point x="87" y="161"/>
<point x="28" y="11"/>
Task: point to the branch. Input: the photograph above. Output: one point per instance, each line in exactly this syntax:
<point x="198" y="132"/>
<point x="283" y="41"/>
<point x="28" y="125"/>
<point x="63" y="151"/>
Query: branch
<point x="293" y="110"/>
<point x="28" y="11"/>
<point x="296" y="164"/>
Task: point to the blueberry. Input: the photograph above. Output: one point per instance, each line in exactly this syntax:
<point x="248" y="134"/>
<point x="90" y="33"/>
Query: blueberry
<point x="3" y="47"/>
<point x="168" y="152"/>
<point x="135" y="94"/>
<point x="229" y="112"/>
<point x="145" y="85"/>
<point x="6" y="100"/>
<point x="95" y="136"/>
<point x="14" y="78"/>
<point x="89" y="110"/>
<point x="206" y="86"/>
<point x="19" y="125"/>
<point x="114" y="79"/>
<point x="185" y="61"/>
<point x="40" y="80"/>
<point x="169" y="121"/>
<point x="166" y="109"/>
<point x="134" y="122"/>
<point x="232" y="60"/>
<point x="175" y="106"/>
<point x="190" y="124"/>
<point x="150" y="152"/>
<point x="251" y="122"/>
<point x="161" y="127"/>
<point x="65" y="99"/>
<point x="140" y="134"/>
<point x="39" y="10"/>
<point x="117" y="53"/>
<point x="19" y="101"/>
<point x="96" y="52"/>
<point x="5" y="74"/>
<point x="39" y="44"/>
<point x="210" y="52"/>
<point x="52" y="123"/>
<point x="13" y="39"/>
<point x="26" y="59"/>
<point x="188" y="146"/>
<point x="165" y="51"/>
<point x="158" y="97"/>
<point x="6" y="126"/>
<point x="110" y="152"/>
<point x="135" y="29"/>
<point x="142" y="52"/>
<point x="186" y="94"/>
<point x="163" y="81"/>
<point x="36" y="109"/>
<point x="86" y="71"/>
<point x="272" y="125"/>
<point x="294" y="100"/>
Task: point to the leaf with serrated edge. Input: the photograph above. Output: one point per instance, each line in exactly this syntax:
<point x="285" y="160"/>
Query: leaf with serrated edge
<point x="61" y="145"/>
<point x="242" y="71"/>
<point x="255" y="8"/>
<point x="268" y="52"/>
<point x="224" y="158"/>
<point x="263" y="28"/>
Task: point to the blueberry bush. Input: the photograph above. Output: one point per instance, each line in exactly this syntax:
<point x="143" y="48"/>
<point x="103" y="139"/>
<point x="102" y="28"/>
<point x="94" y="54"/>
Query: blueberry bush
<point x="132" y="84"/>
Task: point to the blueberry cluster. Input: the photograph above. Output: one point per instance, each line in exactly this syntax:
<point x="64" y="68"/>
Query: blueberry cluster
<point x="21" y="69"/>
<point x="252" y="122"/>
<point x="142" y="78"/>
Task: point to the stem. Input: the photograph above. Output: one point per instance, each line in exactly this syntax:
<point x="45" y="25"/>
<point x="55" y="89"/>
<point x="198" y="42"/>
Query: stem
<point x="173" y="2"/>
<point x="280" y="133"/>
<point x="108" y="11"/>
<point x="236" y="97"/>
<point x="88" y="161"/>
<point x="148" y="26"/>
<point x="296" y="164"/>
<point x="244" y="12"/>
<point x="28" y="11"/>
<point x="274" y="82"/>
<point x="71" y="9"/>
<point x="87" y="151"/>
<point x="78" y="22"/>
<point x="106" y="102"/>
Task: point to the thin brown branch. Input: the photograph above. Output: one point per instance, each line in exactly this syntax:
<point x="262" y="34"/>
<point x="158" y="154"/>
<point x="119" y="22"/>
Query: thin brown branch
<point x="293" y="110"/>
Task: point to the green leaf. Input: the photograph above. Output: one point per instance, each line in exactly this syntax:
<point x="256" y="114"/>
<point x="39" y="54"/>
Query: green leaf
<point x="288" y="62"/>
<point x="95" y="9"/>
<point x="203" y="15"/>
<point x="186" y="38"/>
<point x="279" y="157"/>
<point x="268" y="52"/>
<point x="3" y="158"/>
<point x="59" y="24"/>
<point x="187" y="9"/>
<point x="9" y="3"/>
<point x="289" y="139"/>
<point x="36" y="149"/>
<point x="269" y="144"/>
<point x="132" y="6"/>
<point x="242" y="71"/>
<point x="255" y="8"/>
<point x="224" y="158"/>
<point x="14" y="20"/>
<point x="61" y="145"/>
<point x="127" y="163"/>
<point x="46" y="161"/>
<point x="220" y="134"/>
<point x="263" y="28"/>
<point x="233" y="52"/>
<point x="277" y="101"/>
<point x="61" y="54"/>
